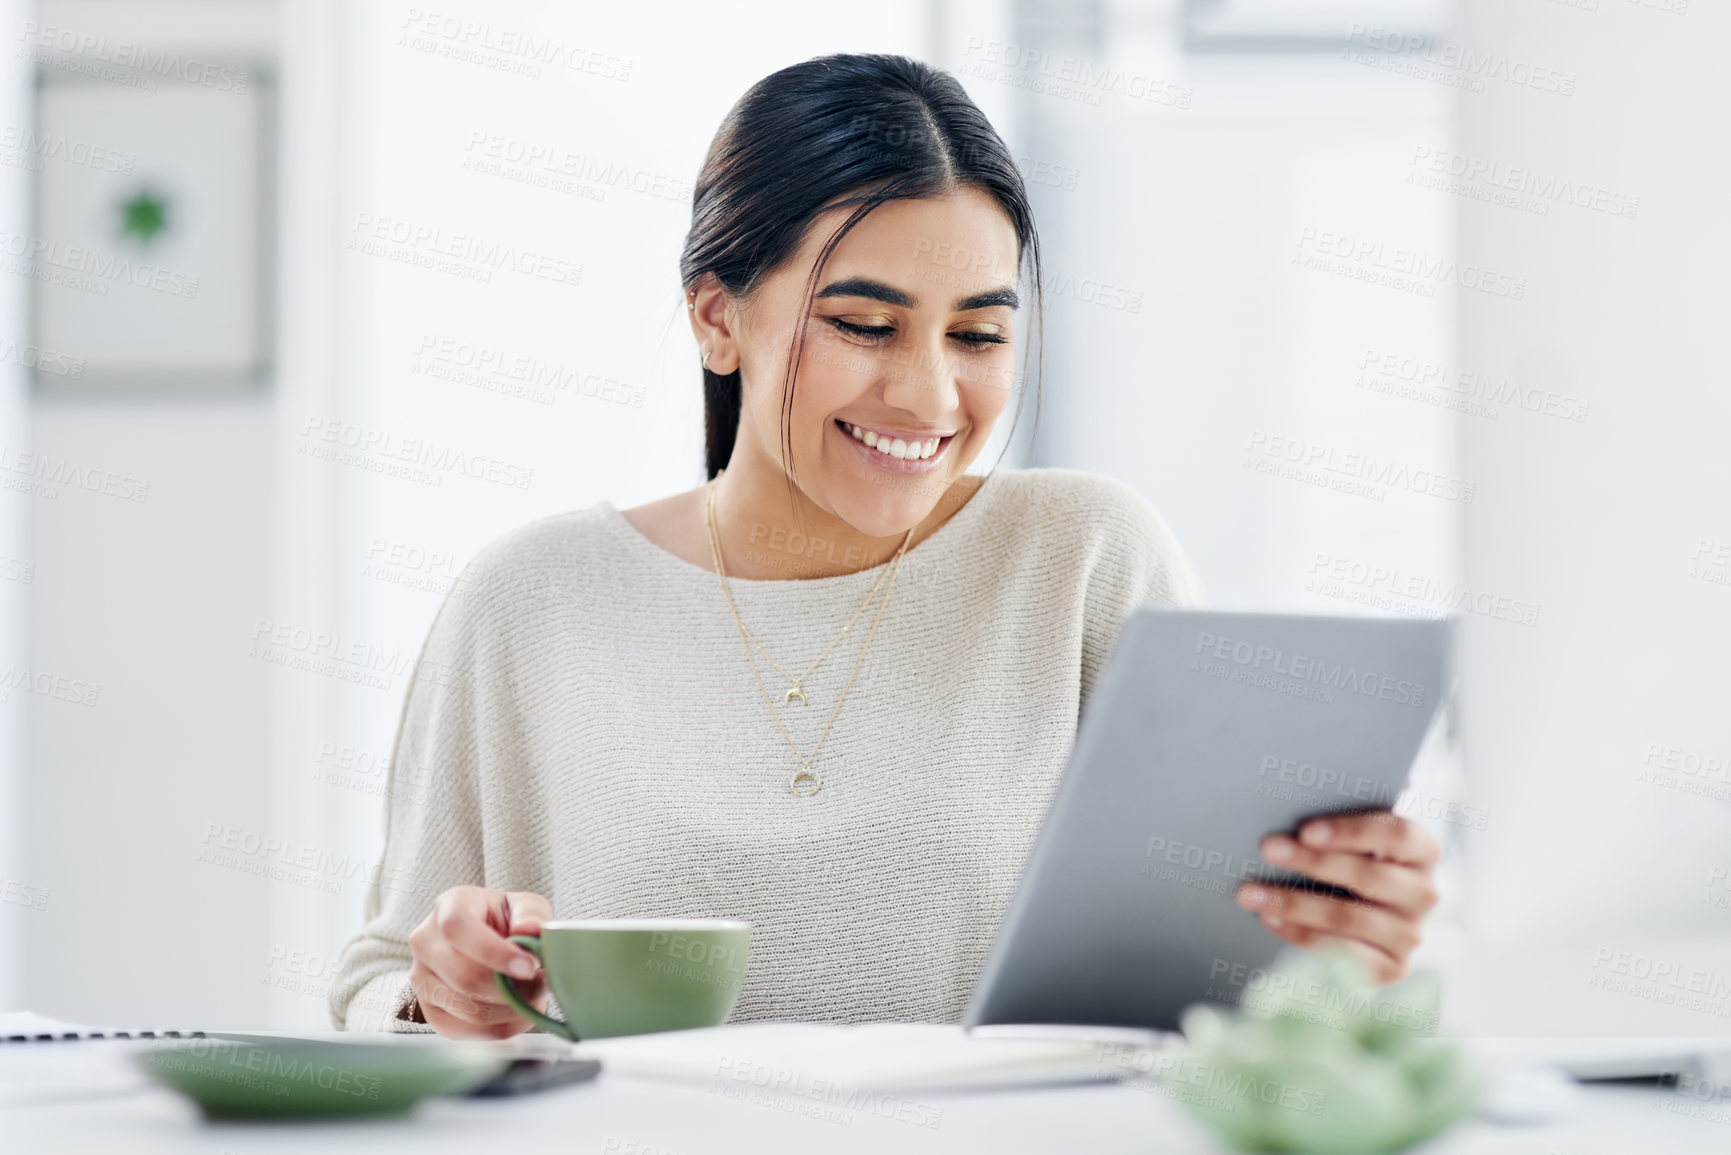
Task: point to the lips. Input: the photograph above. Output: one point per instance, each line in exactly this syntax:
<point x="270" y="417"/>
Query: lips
<point x="897" y="444"/>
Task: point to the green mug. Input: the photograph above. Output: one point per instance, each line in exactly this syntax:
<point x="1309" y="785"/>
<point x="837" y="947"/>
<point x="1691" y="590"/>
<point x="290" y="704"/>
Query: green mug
<point x="633" y="976"/>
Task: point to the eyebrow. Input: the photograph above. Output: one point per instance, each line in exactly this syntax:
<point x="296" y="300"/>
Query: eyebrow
<point x="890" y="295"/>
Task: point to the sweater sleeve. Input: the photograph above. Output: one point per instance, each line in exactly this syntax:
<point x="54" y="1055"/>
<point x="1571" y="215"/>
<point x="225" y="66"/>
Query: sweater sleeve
<point x="432" y="814"/>
<point x="1136" y="560"/>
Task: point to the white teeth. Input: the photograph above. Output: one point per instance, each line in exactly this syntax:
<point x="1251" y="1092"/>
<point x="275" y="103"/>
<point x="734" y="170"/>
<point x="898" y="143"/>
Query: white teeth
<point x="895" y="446"/>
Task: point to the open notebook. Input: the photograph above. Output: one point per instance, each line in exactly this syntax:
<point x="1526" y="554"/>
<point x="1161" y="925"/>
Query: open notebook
<point x="877" y="1057"/>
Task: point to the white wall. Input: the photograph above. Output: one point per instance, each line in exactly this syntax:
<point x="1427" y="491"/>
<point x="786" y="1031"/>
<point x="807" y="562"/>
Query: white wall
<point x="18" y="920"/>
<point x="134" y="598"/>
<point x="151" y="601"/>
<point x="1226" y="343"/>
<point x="1598" y="847"/>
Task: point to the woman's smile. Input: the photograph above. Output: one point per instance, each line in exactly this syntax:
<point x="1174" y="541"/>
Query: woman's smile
<point x="896" y="450"/>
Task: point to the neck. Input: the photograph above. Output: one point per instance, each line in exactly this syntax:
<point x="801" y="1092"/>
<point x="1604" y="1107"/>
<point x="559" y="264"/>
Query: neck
<point x="766" y="537"/>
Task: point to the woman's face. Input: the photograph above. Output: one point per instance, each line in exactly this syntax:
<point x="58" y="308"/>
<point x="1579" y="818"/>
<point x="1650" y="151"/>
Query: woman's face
<point x="908" y="340"/>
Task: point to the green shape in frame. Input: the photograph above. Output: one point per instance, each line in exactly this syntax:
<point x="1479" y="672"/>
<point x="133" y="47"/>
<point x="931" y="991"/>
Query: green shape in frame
<point x="144" y="216"/>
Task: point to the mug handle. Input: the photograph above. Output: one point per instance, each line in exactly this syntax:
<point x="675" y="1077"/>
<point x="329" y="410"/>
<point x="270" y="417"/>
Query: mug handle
<point x="508" y="988"/>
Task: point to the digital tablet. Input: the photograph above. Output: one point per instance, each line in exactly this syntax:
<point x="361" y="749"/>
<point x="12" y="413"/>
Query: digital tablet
<point x="1205" y="732"/>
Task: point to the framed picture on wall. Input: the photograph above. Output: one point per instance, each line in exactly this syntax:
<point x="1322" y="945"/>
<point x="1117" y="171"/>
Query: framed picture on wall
<point x="149" y="257"/>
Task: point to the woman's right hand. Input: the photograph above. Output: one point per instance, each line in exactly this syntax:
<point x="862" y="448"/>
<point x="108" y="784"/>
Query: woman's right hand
<point x="458" y="947"/>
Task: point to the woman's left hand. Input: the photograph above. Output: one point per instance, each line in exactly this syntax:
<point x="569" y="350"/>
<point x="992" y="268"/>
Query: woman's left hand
<point x="1383" y="858"/>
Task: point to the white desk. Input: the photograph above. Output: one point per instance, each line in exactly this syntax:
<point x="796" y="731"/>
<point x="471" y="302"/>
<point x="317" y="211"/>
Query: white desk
<point x="619" y="1115"/>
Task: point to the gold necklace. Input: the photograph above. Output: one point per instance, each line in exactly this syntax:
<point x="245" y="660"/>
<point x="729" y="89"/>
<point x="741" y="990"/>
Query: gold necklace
<point x="805" y="781"/>
<point x="795" y="692"/>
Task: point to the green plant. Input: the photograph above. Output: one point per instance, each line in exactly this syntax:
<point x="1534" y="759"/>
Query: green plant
<point x="1316" y="1058"/>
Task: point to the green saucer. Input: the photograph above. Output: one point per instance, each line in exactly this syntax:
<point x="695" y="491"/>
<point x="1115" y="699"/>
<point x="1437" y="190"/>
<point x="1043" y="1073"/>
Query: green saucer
<point x="270" y="1077"/>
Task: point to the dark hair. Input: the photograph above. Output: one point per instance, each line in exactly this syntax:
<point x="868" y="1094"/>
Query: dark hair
<point x="799" y="142"/>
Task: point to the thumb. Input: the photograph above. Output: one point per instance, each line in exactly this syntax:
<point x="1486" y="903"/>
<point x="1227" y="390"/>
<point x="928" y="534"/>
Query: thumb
<point x="528" y="911"/>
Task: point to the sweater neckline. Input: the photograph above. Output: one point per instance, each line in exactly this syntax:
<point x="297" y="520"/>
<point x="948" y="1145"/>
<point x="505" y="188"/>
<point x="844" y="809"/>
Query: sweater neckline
<point x="941" y="537"/>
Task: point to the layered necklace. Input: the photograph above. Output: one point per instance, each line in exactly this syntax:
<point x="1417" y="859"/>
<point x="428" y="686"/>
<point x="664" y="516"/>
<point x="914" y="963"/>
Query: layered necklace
<point x="806" y="781"/>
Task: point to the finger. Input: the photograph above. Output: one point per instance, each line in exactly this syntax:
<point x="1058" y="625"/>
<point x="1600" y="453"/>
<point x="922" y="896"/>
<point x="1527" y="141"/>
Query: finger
<point x="1290" y="931"/>
<point x="431" y="991"/>
<point x="528" y="911"/>
<point x="466" y="924"/>
<point x="1379" y="964"/>
<point x="1378" y="833"/>
<point x="455" y="1026"/>
<point x="457" y="1029"/>
<point x="1406" y="888"/>
<point x="465" y="974"/>
<point x="459" y="999"/>
<point x="1368" y="923"/>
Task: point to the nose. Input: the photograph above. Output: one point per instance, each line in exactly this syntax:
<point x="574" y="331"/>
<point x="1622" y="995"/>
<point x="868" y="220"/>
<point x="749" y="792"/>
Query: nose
<point x="923" y="382"/>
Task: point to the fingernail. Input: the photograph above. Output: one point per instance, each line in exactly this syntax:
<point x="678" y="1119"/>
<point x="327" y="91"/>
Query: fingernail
<point x="1318" y="832"/>
<point x="1253" y="894"/>
<point x="1278" y="849"/>
<point x="523" y="969"/>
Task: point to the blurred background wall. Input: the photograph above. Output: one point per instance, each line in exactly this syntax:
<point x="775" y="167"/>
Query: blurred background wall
<point x="1393" y="308"/>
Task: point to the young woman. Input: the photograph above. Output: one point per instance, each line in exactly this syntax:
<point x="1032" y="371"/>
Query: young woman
<point x="831" y="690"/>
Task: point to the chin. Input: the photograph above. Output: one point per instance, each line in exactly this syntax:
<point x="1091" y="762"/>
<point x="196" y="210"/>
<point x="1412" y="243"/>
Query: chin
<point x="890" y="508"/>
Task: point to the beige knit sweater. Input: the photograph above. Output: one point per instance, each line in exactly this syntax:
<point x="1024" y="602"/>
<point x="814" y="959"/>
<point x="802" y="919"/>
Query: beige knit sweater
<point x="584" y="725"/>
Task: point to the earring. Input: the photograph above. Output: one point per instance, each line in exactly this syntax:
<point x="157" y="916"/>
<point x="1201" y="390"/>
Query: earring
<point x="706" y="358"/>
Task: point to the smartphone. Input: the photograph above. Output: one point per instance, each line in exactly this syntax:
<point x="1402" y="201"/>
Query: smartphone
<point x="537" y="1074"/>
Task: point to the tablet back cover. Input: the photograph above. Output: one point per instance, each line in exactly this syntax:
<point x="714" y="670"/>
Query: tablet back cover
<point x="1207" y="730"/>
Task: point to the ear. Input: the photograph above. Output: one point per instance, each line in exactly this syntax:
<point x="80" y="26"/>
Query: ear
<point x="712" y="318"/>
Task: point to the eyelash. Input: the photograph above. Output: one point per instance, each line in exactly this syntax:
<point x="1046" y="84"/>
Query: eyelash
<point x="878" y="332"/>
